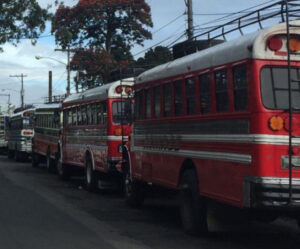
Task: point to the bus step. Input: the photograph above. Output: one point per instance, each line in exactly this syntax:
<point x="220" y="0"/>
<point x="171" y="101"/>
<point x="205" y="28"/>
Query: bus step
<point x="294" y="26"/>
<point x="295" y="80"/>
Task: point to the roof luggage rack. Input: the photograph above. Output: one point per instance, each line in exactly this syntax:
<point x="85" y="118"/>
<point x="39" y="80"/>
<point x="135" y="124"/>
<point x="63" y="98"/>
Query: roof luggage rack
<point x="272" y="11"/>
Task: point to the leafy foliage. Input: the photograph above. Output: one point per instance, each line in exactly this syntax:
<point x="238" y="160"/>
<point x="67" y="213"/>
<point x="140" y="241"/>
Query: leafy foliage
<point x="154" y="57"/>
<point x="95" y="65"/>
<point x="21" y="19"/>
<point x="106" y="28"/>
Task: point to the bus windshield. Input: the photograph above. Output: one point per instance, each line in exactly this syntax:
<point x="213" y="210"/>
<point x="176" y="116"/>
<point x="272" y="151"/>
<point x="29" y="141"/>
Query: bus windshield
<point x="121" y="111"/>
<point x="274" y="88"/>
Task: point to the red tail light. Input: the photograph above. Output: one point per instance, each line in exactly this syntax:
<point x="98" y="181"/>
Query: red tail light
<point x="27" y="133"/>
<point x="119" y="89"/>
<point x="275" y="43"/>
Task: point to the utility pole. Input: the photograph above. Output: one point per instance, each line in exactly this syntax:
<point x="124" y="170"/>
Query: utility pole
<point x="68" y="50"/>
<point x="22" y="86"/>
<point x="50" y="88"/>
<point x="190" y="30"/>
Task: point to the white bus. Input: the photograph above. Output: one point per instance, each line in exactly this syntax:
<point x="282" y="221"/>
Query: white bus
<point x="19" y="133"/>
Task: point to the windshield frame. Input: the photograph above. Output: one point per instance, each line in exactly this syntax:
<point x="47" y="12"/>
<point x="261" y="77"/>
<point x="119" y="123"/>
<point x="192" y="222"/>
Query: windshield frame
<point x="125" y="121"/>
<point x="286" y="90"/>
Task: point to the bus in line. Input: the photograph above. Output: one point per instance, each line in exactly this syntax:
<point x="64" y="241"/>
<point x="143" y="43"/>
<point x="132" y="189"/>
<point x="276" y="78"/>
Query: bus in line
<point x="3" y="142"/>
<point x="19" y="133"/>
<point x="216" y="125"/>
<point x="47" y="130"/>
<point x="96" y="124"/>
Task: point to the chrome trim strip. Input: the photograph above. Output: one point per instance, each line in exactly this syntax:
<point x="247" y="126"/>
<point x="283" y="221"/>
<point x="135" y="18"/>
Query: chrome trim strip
<point x="106" y="138"/>
<point x="85" y="146"/>
<point x="224" y="138"/>
<point x="272" y="180"/>
<point x="212" y="155"/>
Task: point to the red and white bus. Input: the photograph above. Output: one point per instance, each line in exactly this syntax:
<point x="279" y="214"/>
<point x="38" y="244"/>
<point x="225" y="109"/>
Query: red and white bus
<point x="47" y="128"/>
<point x="215" y="124"/>
<point x="96" y="124"/>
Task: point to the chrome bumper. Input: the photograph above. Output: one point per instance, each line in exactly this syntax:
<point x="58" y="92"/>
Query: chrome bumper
<point x="270" y="192"/>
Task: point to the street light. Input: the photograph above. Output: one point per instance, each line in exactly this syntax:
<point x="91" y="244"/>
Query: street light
<point x="66" y="64"/>
<point x="8" y="89"/>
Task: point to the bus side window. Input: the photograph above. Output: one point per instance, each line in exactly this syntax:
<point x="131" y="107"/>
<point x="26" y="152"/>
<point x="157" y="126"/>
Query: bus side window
<point x="205" y="98"/>
<point x="94" y="114"/>
<point x="157" y="101"/>
<point x="89" y="115"/>
<point x="69" y="117"/>
<point x="83" y="113"/>
<point x="240" y="87"/>
<point x="99" y="113"/>
<point x="167" y="100"/>
<point x="74" y="116"/>
<point x="148" y="103"/>
<point x="178" y="98"/>
<point x="190" y="92"/>
<point x="104" y="112"/>
<point x="221" y="90"/>
<point x="79" y="116"/>
<point x="138" y="105"/>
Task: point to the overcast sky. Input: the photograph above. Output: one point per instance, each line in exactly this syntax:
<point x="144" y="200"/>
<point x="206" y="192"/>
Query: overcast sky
<point x="21" y="59"/>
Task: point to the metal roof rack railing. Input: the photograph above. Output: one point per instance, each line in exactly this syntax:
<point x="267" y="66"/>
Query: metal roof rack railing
<point x="275" y="10"/>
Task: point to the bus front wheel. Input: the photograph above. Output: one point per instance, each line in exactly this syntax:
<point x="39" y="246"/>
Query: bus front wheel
<point x="10" y="154"/>
<point x="62" y="170"/>
<point x="50" y="163"/>
<point x="35" y="160"/>
<point x="192" y="206"/>
<point x="91" y="179"/>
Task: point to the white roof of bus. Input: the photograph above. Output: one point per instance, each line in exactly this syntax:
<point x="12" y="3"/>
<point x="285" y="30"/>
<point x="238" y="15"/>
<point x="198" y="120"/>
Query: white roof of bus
<point x="47" y="106"/>
<point x="100" y="92"/>
<point x="21" y="113"/>
<point x="248" y="46"/>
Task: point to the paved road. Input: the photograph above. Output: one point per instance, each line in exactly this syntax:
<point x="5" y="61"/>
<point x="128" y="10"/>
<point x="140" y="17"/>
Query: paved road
<point x="37" y="210"/>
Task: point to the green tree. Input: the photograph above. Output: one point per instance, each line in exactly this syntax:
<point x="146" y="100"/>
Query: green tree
<point x="21" y="19"/>
<point x="110" y="27"/>
<point x="154" y="57"/>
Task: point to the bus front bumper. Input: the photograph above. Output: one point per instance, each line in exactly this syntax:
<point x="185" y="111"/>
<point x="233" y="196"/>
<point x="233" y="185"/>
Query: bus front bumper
<point x="271" y="193"/>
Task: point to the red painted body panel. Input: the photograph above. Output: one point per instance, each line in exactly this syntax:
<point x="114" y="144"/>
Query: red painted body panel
<point x="100" y="141"/>
<point x="218" y="179"/>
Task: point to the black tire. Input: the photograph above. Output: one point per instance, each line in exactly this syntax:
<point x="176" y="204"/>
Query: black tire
<point x="192" y="206"/>
<point x="10" y="154"/>
<point x="50" y="163"/>
<point x="35" y="160"/>
<point x="91" y="179"/>
<point x="62" y="169"/>
<point x="134" y="191"/>
<point x="18" y="156"/>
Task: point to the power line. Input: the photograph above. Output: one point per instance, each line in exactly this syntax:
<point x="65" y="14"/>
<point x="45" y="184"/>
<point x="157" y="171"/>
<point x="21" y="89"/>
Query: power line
<point x="238" y="12"/>
<point x="167" y="24"/>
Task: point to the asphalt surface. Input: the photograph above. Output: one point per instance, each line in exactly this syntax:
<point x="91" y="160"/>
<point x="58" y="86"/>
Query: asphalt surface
<point x="37" y="210"/>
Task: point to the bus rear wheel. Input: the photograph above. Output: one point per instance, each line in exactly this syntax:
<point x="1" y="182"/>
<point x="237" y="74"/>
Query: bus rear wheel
<point x="18" y="156"/>
<point x="192" y="206"/>
<point x="10" y="154"/>
<point x="91" y="179"/>
<point x="133" y="191"/>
